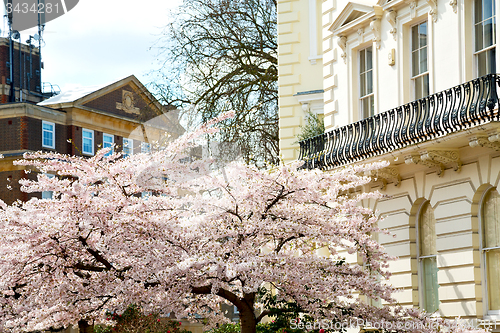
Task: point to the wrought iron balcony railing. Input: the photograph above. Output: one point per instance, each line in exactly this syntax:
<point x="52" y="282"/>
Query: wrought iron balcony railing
<point x="452" y="110"/>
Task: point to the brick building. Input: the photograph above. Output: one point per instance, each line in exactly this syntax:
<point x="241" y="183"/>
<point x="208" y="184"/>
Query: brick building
<point x="20" y="71"/>
<point x="80" y="122"/>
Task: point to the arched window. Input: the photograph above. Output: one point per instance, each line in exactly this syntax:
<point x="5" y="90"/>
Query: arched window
<point x="491" y="250"/>
<point x="427" y="258"/>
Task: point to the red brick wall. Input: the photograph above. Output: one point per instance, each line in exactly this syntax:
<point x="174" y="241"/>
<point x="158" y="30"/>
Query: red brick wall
<point x="24" y="62"/>
<point x="10" y="131"/>
<point x="108" y="102"/>
<point x="24" y="133"/>
<point x="12" y="178"/>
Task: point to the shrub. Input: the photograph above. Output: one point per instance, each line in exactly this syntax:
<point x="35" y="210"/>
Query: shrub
<point x="134" y="321"/>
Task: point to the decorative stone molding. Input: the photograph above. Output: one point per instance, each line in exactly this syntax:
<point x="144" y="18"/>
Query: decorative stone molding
<point x="443" y="156"/>
<point x="361" y="32"/>
<point x="413" y="8"/>
<point x="436" y="159"/>
<point x="433" y="11"/>
<point x="482" y="141"/>
<point x="127" y="103"/>
<point x="453" y="3"/>
<point x="311" y="101"/>
<point x="375" y="25"/>
<point x="494" y="137"/>
<point x="428" y="163"/>
<point x="386" y="175"/>
<point x="342" y="43"/>
<point x="391" y="18"/>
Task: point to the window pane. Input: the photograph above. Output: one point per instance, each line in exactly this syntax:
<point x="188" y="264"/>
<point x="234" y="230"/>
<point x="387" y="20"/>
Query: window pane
<point x="414" y="38"/>
<point x="431" y="296"/>
<point x="88" y="142"/>
<point x="491" y="55"/>
<point x="493" y="268"/>
<point x="425" y="85"/>
<point x="418" y="87"/>
<point x="362" y="85"/>
<point x="427" y="245"/>
<point x="127" y="147"/>
<point x="423" y="34"/>
<point x="478" y="11"/>
<point x="415" y="63"/>
<point x="491" y="238"/>
<point x="372" y="106"/>
<point x="145" y="147"/>
<point x="367" y="107"/>
<point x="427" y="231"/>
<point x="47" y="139"/>
<point x="488" y="33"/>
<point x="369" y="58"/>
<point x="87" y="146"/>
<point x="362" y="62"/>
<point x="491" y="213"/>
<point x="486" y="62"/>
<point x="48" y="134"/>
<point x="479" y="37"/>
<point x="369" y="82"/>
<point x="423" y="60"/>
<point x="481" y="64"/>
<point x="487" y="8"/>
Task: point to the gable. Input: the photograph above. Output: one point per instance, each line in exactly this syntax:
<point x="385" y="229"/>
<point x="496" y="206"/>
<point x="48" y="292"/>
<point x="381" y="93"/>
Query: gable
<point x="351" y="12"/>
<point x="125" y="101"/>
<point x="354" y="15"/>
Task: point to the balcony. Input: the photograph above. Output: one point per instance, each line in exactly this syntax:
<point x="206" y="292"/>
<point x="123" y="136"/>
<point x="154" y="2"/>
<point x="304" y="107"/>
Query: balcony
<point x="454" y="110"/>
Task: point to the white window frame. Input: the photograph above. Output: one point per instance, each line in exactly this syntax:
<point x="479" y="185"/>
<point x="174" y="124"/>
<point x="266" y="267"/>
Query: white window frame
<point x="108" y="144"/>
<point x="414" y="77"/>
<point x="53" y="134"/>
<point x="48" y="195"/>
<point x="128" y="147"/>
<point x="494" y="38"/>
<point x="362" y="114"/>
<point x="84" y="130"/>
<point x="145" y="147"/>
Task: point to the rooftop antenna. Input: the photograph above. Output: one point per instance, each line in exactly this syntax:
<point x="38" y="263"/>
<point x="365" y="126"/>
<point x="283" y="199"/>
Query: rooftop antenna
<point x="12" y="95"/>
<point x="38" y="37"/>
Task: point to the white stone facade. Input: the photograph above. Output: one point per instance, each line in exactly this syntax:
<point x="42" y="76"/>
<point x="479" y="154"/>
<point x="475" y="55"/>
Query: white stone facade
<point x="442" y="205"/>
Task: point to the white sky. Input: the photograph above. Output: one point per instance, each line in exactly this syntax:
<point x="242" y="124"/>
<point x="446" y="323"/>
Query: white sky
<point x="102" y="41"/>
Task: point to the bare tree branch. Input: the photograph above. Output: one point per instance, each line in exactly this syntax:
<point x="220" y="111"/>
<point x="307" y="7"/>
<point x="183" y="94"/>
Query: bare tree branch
<point x="221" y="55"/>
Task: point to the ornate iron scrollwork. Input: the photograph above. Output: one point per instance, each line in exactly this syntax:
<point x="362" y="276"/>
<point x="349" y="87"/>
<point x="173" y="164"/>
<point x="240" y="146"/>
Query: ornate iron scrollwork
<point x="455" y="109"/>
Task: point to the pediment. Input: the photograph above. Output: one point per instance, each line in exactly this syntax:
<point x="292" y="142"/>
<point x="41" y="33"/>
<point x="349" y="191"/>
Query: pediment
<point x="126" y="98"/>
<point x="351" y="13"/>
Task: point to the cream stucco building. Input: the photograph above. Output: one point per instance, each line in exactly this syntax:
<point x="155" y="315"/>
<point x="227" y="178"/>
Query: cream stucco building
<point x="407" y="82"/>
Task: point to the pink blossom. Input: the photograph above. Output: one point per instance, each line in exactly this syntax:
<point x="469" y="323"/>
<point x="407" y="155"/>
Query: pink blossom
<point x="200" y="238"/>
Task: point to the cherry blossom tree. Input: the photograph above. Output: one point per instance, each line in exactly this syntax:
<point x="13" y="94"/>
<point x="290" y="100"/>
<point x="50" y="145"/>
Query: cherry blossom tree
<point x="198" y="238"/>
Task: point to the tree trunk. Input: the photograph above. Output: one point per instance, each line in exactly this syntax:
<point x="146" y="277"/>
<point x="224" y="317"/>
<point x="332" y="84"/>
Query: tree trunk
<point x="84" y="327"/>
<point x="248" y="322"/>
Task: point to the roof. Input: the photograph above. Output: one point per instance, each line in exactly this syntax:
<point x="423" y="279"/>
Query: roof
<point x="127" y="99"/>
<point x="74" y="94"/>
